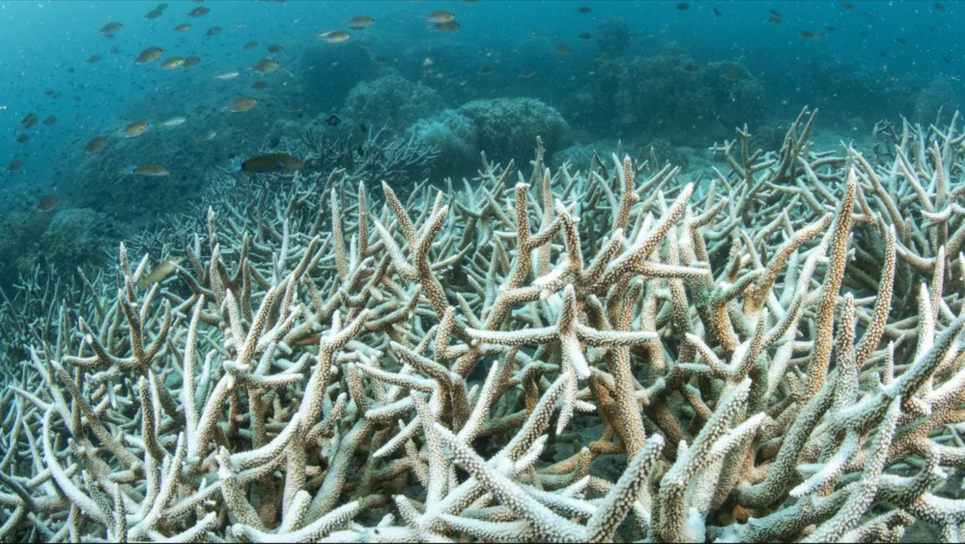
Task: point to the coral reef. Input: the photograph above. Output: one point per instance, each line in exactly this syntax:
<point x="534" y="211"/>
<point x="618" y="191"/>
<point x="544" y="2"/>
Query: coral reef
<point x="391" y="100"/>
<point x="507" y="126"/>
<point x="776" y="355"/>
<point x="670" y="96"/>
<point x="454" y="135"/>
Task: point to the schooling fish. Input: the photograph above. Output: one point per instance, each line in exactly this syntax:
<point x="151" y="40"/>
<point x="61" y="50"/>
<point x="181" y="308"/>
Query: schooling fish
<point x="360" y="21"/>
<point x="226" y="75"/>
<point x="213" y="31"/>
<point x="267" y="66"/>
<point x="134" y="129"/>
<point x="333" y="36"/>
<point x="172" y="63"/>
<point x="191" y="62"/>
<point x="110" y="28"/>
<point x="440" y="16"/>
<point x="272" y="162"/>
<point x="172" y="122"/>
<point x="48" y="203"/>
<point x="161" y="271"/>
<point x="147" y="170"/>
<point x="96" y="144"/>
<point x="149" y="55"/>
<point x="242" y="103"/>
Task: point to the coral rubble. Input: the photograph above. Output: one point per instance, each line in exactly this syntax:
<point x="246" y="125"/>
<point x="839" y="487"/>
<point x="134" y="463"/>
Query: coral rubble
<point x="776" y="354"/>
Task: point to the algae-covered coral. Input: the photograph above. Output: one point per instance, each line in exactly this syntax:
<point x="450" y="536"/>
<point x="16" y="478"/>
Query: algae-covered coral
<point x="343" y="362"/>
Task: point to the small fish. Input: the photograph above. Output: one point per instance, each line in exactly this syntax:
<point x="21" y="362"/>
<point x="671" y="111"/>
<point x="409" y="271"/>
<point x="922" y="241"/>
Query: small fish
<point x="274" y="49"/>
<point x="333" y="121"/>
<point x="831" y="29"/>
<point x="683" y="6"/>
<point x="149" y="55"/>
<point x="259" y="85"/>
<point x="717" y="13"/>
<point x="250" y="45"/>
<point x="272" y="162"/>
<point x="198" y="12"/>
<point x="775" y="13"/>
<point x="488" y="69"/>
<point x="946" y="59"/>
<point x="584" y="10"/>
<point x="22" y="138"/>
<point x="147" y="170"/>
<point x="172" y="122"/>
<point x="49" y="121"/>
<point x="451" y="26"/>
<point x="360" y="21"/>
<point x="563" y="49"/>
<point x="183" y="27"/>
<point x="363" y="129"/>
<point x="733" y="74"/>
<point x="440" y="16"/>
<point x="172" y="63"/>
<point x="333" y="36"/>
<point x="118" y="201"/>
<point x="92" y="59"/>
<point x="134" y="129"/>
<point x="96" y="144"/>
<point x="110" y="28"/>
<point x="691" y="67"/>
<point x="29" y="120"/>
<point x="266" y="66"/>
<point x="528" y="73"/>
<point x="213" y="31"/>
<point x="226" y="75"/>
<point x="206" y="137"/>
<point x="808" y="35"/>
<point x="240" y="25"/>
<point x="864" y="33"/>
<point x="161" y="7"/>
<point x="605" y="58"/>
<point x="940" y="7"/>
<point x="868" y="15"/>
<point x="48" y="203"/>
<point x="848" y="6"/>
<point x="115" y="50"/>
<point x="153" y="14"/>
<point x="775" y="20"/>
<point x="242" y="103"/>
<point x="15" y="164"/>
<point x="901" y="41"/>
<point x="191" y="62"/>
<point x="585" y="36"/>
<point x="359" y="150"/>
<point x="161" y="271"/>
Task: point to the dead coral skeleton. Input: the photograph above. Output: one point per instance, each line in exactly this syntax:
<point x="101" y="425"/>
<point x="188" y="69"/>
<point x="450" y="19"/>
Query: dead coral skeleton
<point x="778" y="353"/>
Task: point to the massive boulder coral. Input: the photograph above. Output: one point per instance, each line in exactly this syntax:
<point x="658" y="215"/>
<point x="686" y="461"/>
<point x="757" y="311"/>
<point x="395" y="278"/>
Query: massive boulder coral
<point x="391" y="100"/>
<point x="310" y="371"/>
<point x="506" y="126"/>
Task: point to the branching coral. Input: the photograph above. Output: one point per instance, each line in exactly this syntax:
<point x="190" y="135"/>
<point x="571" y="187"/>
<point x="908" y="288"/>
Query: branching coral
<point x="323" y="368"/>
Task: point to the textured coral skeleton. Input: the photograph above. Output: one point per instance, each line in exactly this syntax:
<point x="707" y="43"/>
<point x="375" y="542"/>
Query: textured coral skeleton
<point x="776" y="354"/>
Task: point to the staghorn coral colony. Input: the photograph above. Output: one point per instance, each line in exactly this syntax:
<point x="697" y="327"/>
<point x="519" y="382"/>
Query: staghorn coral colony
<point x="607" y="354"/>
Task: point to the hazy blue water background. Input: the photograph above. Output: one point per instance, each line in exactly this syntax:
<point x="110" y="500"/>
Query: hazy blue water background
<point x="39" y="41"/>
